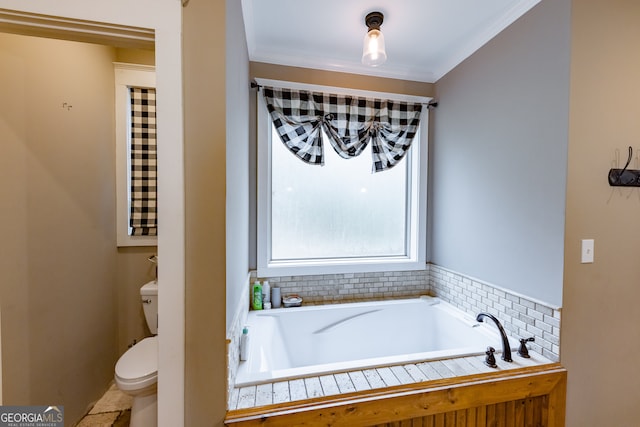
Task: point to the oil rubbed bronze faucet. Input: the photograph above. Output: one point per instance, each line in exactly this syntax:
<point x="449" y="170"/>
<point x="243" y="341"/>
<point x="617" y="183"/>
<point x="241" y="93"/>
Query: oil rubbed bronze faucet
<point x="506" y="348"/>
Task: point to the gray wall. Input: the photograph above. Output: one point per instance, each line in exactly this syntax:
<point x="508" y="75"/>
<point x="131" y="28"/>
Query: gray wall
<point x="498" y="158"/>
<point x="238" y="159"/>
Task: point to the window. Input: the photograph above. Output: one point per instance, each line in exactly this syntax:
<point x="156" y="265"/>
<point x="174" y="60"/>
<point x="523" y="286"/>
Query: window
<point x="339" y="217"/>
<point x="128" y="76"/>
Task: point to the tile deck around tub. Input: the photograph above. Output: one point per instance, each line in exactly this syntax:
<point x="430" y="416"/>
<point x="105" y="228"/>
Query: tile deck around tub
<point x="367" y="379"/>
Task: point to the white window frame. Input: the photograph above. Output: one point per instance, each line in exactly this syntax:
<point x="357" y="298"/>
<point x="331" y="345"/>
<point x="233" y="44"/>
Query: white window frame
<point x="126" y="76"/>
<point x="416" y="205"/>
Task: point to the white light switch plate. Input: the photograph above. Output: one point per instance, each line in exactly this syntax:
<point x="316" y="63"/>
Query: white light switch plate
<point x="587" y="251"/>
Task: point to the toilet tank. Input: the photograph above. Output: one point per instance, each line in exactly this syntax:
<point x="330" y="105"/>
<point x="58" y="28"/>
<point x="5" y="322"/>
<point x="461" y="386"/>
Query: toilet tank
<point x="149" y="297"/>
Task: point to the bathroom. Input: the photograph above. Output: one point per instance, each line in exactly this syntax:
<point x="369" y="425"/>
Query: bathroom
<point x="586" y="210"/>
<point x="115" y="273"/>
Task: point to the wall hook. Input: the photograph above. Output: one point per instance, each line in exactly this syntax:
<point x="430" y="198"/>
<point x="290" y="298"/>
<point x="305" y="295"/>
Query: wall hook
<point x="625" y="177"/>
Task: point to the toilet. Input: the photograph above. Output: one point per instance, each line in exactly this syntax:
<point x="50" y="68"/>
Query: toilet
<point x="137" y="369"/>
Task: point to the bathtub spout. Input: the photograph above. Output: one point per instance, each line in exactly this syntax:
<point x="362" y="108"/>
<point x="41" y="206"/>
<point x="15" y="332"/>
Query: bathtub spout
<point x="506" y="348"/>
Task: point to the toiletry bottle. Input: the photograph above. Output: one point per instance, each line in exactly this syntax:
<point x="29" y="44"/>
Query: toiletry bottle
<point x="257" y="296"/>
<point x="266" y="292"/>
<point x="276" y="297"/>
<point x="244" y="344"/>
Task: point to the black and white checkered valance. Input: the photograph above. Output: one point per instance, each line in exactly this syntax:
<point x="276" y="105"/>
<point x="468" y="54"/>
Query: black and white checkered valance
<point x="143" y="219"/>
<point x="349" y="121"/>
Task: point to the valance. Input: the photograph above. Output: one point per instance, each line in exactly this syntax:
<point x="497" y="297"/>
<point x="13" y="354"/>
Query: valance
<point x="350" y="122"/>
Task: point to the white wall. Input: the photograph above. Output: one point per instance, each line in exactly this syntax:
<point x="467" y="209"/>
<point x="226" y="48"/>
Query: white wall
<point x="499" y="158"/>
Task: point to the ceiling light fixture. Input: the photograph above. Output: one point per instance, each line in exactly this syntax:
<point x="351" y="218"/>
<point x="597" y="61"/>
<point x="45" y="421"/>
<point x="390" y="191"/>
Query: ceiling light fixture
<point x="373" y="52"/>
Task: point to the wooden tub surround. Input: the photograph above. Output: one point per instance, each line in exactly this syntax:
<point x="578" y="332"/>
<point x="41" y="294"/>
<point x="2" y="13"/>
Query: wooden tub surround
<point x="460" y="392"/>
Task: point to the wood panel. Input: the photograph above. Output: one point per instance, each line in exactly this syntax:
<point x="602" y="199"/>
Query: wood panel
<point x="498" y="415"/>
<point x="528" y="397"/>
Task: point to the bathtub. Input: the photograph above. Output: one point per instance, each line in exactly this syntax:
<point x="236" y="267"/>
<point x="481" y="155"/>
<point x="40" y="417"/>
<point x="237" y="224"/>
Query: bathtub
<point x="316" y="340"/>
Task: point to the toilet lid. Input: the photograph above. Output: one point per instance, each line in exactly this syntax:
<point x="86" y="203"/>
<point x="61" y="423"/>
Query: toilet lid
<point x="139" y="361"/>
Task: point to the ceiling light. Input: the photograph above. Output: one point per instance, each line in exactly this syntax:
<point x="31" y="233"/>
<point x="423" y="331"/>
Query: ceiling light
<point x="373" y="52"/>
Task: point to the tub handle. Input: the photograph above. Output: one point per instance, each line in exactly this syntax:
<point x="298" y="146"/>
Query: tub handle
<point x="490" y="360"/>
<point x="523" y="351"/>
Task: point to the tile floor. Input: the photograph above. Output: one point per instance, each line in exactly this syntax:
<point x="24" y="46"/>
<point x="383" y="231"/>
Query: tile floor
<point x="112" y="410"/>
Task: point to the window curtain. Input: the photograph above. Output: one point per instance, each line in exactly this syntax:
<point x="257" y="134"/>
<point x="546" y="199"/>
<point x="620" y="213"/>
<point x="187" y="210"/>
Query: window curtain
<point x="143" y="218"/>
<point x="349" y="122"/>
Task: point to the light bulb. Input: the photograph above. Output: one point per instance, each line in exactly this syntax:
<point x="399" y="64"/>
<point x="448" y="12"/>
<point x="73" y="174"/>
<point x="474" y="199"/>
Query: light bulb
<point x="373" y="51"/>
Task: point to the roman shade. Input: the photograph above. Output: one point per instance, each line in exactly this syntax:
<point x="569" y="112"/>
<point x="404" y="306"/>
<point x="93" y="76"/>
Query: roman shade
<point x="143" y="195"/>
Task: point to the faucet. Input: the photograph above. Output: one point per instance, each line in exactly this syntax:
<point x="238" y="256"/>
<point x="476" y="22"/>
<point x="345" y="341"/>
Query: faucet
<point x="506" y="348"/>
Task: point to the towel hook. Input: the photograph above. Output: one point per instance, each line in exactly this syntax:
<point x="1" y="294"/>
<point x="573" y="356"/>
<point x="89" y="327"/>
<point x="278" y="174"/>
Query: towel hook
<point x="628" y="161"/>
<point x="631" y="177"/>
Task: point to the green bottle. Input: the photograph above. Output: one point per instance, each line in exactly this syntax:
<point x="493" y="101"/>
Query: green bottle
<point x="256" y="300"/>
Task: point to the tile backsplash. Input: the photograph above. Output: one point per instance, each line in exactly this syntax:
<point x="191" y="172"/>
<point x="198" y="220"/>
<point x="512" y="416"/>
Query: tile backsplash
<point x="522" y="317"/>
<point x="350" y="287"/>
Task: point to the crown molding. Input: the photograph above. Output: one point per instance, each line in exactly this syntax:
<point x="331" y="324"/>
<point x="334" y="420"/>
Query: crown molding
<point x="33" y="24"/>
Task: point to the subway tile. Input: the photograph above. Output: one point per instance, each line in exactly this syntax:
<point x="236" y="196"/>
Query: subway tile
<point x="535" y="314"/>
<point x="520" y="308"/>
<point x="553" y="339"/>
<point x="519" y="324"/>
<point x="527" y="303"/>
<point x="535" y="331"/>
<point x="500" y="293"/>
<point x="548" y="329"/>
<point x="513" y="298"/>
<point x="488" y="289"/>
<point x="527" y="319"/>
<point x="544" y="343"/>
<point x="544" y="309"/>
<point x="501" y="308"/>
<point x="511" y="328"/>
<point x="507" y="303"/>
<point x="512" y="313"/>
<point x="550" y="320"/>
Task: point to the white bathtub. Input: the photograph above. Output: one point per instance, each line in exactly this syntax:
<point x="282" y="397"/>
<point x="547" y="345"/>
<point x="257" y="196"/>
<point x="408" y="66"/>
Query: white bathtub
<point x="315" y="340"/>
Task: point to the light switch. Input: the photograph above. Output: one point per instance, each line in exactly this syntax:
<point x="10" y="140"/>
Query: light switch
<point x="587" y="251"/>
